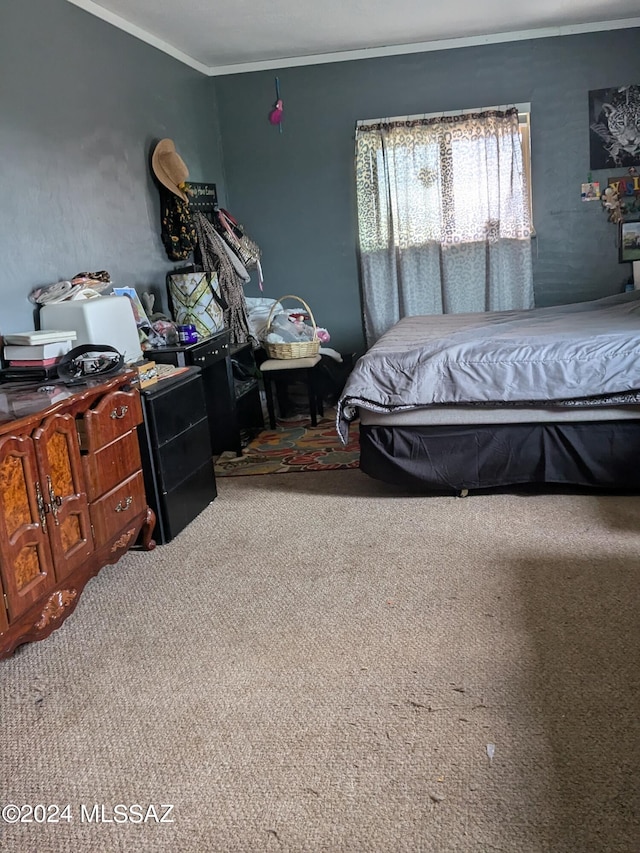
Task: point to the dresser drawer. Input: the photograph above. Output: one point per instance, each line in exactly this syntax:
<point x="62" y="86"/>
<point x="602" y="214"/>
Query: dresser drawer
<point x="210" y="351"/>
<point x="111" y="513"/>
<point x="115" y="415"/>
<point x="179" y="458"/>
<point x="172" y="407"/>
<point x="111" y="464"/>
<point x="205" y="352"/>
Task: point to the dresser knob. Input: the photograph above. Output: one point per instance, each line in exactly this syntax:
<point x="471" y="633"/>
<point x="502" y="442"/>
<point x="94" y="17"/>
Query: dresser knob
<point x="123" y="506"/>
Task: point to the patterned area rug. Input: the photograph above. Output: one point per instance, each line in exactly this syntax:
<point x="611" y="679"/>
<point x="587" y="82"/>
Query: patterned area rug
<point x="293" y="446"/>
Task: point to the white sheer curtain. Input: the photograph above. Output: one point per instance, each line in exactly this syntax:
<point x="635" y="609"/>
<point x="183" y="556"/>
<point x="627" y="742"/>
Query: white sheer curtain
<point x="443" y="217"/>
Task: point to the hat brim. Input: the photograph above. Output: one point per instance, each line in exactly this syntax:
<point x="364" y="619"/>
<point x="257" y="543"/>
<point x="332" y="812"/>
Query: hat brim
<point x="169" y="168"/>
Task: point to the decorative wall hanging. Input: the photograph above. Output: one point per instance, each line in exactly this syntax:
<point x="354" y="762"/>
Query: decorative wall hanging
<point x="276" y="114"/>
<point x="202" y="196"/>
<point x="614" y="123"/>
<point x="612" y="203"/>
<point x="621" y="196"/>
<point x="628" y="190"/>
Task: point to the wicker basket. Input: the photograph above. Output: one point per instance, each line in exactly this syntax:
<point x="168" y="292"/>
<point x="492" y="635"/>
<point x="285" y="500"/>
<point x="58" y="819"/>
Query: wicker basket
<point x="295" y="349"/>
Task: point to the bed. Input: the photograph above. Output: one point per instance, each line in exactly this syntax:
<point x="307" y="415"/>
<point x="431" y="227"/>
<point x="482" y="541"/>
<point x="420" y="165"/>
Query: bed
<point x="461" y="402"/>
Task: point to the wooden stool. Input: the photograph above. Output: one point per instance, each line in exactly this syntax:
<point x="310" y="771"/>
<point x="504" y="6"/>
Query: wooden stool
<point x="294" y="368"/>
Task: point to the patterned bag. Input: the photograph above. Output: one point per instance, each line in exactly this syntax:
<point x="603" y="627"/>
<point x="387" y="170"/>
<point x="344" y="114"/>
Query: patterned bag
<point x="195" y="298"/>
<point x="235" y="237"/>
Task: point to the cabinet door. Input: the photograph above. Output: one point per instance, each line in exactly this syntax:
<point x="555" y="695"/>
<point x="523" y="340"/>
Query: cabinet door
<point x="26" y="563"/>
<point x="58" y="454"/>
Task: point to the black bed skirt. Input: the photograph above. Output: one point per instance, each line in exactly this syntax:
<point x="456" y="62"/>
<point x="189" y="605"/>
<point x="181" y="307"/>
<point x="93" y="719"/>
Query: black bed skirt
<point x="451" y="459"/>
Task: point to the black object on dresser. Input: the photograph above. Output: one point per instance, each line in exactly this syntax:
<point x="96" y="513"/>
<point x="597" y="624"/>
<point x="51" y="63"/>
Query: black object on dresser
<point x="231" y="387"/>
<point x="176" y="451"/>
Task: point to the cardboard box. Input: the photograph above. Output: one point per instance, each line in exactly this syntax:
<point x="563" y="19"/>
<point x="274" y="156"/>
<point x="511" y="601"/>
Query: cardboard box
<point x="147" y="373"/>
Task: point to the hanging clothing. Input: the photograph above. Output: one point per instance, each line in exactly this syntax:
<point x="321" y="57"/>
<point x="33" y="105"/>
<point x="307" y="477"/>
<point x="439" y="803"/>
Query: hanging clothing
<point x="178" y="232"/>
<point x="214" y="258"/>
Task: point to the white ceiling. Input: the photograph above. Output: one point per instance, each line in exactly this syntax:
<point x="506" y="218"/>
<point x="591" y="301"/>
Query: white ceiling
<point x="230" y="36"/>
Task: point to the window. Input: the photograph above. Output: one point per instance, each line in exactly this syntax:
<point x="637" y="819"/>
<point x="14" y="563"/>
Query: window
<point x="444" y="214"/>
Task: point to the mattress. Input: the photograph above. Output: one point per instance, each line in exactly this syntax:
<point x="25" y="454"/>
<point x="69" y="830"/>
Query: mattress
<point x="568" y="355"/>
<point x="472" y="415"/>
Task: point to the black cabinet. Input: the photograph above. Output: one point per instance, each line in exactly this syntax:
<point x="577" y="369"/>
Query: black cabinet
<point x="176" y="453"/>
<point x="247" y="404"/>
<point x="231" y="387"/>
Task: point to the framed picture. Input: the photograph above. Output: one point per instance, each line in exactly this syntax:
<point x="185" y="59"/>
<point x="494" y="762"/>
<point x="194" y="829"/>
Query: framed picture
<point x="613" y="114"/>
<point x="629" y="241"/>
<point x="138" y="310"/>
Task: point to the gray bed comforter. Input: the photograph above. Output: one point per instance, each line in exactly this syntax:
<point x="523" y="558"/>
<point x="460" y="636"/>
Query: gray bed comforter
<point x="537" y="356"/>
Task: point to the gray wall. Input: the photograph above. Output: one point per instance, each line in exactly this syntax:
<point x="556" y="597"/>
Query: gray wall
<point x="295" y="191"/>
<point x="81" y="107"/>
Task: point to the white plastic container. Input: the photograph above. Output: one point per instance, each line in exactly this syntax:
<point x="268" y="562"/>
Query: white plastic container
<point x="100" y="320"/>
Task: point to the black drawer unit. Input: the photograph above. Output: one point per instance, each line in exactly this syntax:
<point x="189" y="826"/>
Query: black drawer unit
<point x="175" y="445"/>
<point x="246" y="392"/>
<point x="231" y="387"/>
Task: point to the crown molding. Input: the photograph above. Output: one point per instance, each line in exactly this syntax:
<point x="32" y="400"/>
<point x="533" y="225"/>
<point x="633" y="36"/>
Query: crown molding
<point x="347" y="55"/>
<point x="422" y="47"/>
<point x="133" y="30"/>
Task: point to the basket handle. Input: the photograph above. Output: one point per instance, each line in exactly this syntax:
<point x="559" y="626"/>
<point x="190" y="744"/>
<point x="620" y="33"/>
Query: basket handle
<point x="309" y="312"/>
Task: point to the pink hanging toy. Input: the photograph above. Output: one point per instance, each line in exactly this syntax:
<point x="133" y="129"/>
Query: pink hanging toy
<point x="275" y="116"/>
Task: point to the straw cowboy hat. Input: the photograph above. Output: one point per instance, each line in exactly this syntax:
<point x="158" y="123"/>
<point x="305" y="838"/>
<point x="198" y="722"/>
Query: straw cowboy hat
<point x="169" y="168"/>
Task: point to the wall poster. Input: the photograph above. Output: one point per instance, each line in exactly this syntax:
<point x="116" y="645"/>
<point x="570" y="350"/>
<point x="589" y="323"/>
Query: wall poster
<point x="614" y="127"/>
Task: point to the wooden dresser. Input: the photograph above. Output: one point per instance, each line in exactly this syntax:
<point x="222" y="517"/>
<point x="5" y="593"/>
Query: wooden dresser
<point x="72" y="497"/>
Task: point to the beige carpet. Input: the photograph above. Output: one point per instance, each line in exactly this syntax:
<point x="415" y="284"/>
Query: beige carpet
<point x="319" y="663"/>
